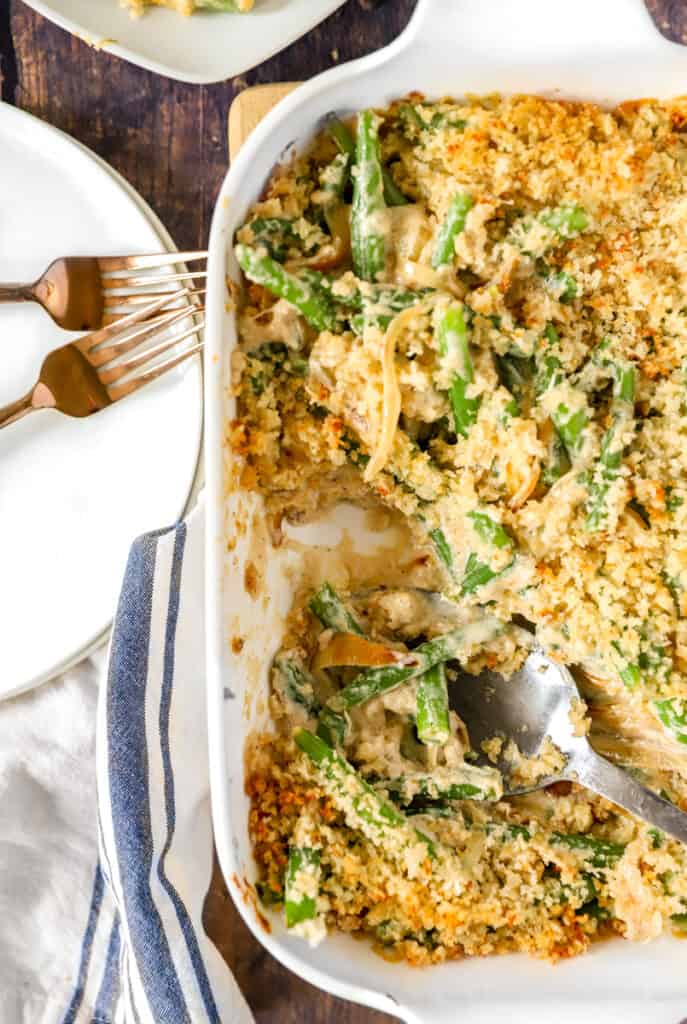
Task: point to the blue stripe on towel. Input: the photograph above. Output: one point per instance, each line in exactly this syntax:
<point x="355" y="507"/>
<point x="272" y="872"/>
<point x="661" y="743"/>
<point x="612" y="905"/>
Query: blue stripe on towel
<point x="128" y="778"/>
<point x="86" y="948"/>
<point x="131" y="1005"/>
<point x="165" y="704"/>
<point x="109" y="985"/>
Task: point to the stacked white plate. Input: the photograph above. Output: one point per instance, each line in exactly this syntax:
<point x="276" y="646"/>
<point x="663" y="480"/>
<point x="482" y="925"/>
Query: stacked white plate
<point x="75" y="493"/>
<point x="205" y="48"/>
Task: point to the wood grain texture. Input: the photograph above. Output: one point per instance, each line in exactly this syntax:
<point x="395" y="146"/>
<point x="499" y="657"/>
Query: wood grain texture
<point x="249" y="108"/>
<point x="170" y="141"/>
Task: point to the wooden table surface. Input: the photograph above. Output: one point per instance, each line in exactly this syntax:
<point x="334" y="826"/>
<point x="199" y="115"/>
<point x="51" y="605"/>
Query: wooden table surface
<point x="169" y="141"/>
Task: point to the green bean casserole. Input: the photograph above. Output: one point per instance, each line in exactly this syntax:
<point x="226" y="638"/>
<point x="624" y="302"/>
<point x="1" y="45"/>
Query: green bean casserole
<point x="468" y="319"/>
<point x="137" y="7"/>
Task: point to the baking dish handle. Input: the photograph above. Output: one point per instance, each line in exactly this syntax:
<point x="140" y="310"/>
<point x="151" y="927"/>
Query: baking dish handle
<point x="486" y="24"/>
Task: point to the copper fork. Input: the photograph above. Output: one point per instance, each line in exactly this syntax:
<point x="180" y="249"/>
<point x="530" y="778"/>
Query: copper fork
<point x="83" y="293"/>
<point x="87" y="375"/>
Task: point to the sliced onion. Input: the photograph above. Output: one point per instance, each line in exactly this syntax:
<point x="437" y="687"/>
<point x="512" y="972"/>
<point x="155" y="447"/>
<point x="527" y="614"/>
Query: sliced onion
<point x="333" y="253"/>
<point x="391" y="396"/>
<point x="421" y="275"/>
<point x="348" y="649"/>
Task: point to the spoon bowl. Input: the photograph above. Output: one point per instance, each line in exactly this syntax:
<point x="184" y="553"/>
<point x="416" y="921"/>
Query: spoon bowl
<point x="538" y="702"/>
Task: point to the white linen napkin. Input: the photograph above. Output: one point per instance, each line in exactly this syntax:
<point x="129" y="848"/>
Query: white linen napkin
<point x="102" y="886"/>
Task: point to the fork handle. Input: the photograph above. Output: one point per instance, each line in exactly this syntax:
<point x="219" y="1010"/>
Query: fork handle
<point x="17" y="293"/>
<point x="617" y="785"/>
<point x="39" y="397"/>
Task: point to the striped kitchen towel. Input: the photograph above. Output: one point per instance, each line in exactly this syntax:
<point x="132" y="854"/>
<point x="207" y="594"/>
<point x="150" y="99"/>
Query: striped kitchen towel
<point x="105" y="830"/>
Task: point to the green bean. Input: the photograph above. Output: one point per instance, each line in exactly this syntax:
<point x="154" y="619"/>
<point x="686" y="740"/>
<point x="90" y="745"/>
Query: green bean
<point x="221" y="5"/>
<point x="612" y="447"/>
<point x="368" y="232"/>
<point x="602" y="853"/>
<point x="657" y="838"/>
<point x="333" y="181"/>
<point x="299" y="685"/>
<point x="624" y="382"/>
<point x="672" y="712"/>
<point x="268" y="896"/>
<point x="476" y="575"/>
<point x="549" y="374"/>
<point x="332" y="727"/>
<point x="564" y="222"/>
<point x="303" y="865"/>
<point x="673" y="501"/>
<point x="269" y="360"/>
<point x="517" y="832"/>
<point x="442" y="546"/>
<point x="567" y="220"/>
<point x="549" y="368"/>
<point x="374" y="681"/>
<point x="379" y="306"/>
<point x="570" y="422"/>
<point x="676" y="590"/>
<point x="453" y="347"/>
<point x="490" y="530"/>
<point x="579" y="894"/>
<point x="462" y="782"/>
<point x="430" y="810"/>
<point x="557" y="462"/>
<point x="571" y="425"/>
<point x="276" y="234"/>
<point x="562" y="285"/>
<point x="629" y="673"/>
<point x="454" y="223"/>
<point x="446" y="556"/>
<point x="592" y="908"/>
<point x="332" y="612"/>
<point x="364" y="809"/>
<point x="263" y="270"/>
<point x="346" y="143"/>
<point x="334" y="178"/>
<point x="515" y="374"/>
<point x="651" y="665"/>
<point x="392" y="193"/>
<point x="342" y="136"/>
<point x="411" y="117"/>
<point x="353" y="453"/>
<point x="432" y="718"/>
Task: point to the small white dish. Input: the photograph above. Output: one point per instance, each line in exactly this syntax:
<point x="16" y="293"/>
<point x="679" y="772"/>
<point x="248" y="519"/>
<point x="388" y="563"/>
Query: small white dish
<point x="75" y="493"/>
<point x="207" y="47"/>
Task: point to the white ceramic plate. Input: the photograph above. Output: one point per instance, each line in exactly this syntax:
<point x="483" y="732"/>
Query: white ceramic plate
<point x="603" y="50"/>
<point x="75" y="493"/>
<point x="202" y="49"/>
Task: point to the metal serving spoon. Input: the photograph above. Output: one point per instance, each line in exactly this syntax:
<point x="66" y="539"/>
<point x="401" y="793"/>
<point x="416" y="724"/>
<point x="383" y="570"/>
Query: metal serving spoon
<point x="536" y="703"/>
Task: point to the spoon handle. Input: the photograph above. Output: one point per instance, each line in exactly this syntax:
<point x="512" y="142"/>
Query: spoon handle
<point x="16" y="293"/>
<point x="617" y="785"/>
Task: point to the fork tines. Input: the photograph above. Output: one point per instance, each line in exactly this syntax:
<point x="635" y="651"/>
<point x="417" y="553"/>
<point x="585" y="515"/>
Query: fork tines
<point x="105" y="348"/>
<point x="115" y="379"/>
<point x="123" y="289"/>
<point x="109" y="264"/>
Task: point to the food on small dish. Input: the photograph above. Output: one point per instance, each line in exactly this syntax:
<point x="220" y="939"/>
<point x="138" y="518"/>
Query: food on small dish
<point x="471" y="314"/>
<point x="186" y="7"/>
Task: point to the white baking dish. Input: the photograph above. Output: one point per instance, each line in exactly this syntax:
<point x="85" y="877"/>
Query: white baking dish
<point x="603" y="50"/>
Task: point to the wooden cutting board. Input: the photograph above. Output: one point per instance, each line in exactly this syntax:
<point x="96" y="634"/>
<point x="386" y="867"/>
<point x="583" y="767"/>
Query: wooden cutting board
<point x="249" y="108"/>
